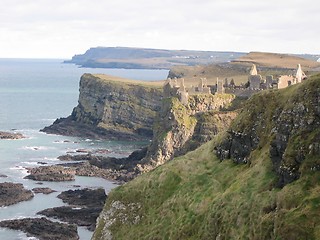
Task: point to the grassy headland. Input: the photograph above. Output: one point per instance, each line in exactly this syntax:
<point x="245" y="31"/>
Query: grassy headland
<point x="198" y="196"/>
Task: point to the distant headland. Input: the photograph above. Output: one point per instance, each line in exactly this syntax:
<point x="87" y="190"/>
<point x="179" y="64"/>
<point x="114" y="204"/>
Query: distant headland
<point x="148" y="58"/>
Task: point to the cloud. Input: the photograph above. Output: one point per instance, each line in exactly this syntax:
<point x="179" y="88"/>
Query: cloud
<point x="46" y="28"/>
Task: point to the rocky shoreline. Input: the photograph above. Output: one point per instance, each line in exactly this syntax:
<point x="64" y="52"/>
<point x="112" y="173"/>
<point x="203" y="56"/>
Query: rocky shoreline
<point x="51" y="173"/>
<point x="84" y="207"/>
<point x="119" y="170"/>
<point x="42" y="228"/>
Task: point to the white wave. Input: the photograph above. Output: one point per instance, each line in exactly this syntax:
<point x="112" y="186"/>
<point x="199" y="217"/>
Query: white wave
<point x="21" y="169"/>
<point x="30" y="163"/>
<point x="44" y="159"/>
<point x="48" y="119"/>
<point x="37" y="148"/>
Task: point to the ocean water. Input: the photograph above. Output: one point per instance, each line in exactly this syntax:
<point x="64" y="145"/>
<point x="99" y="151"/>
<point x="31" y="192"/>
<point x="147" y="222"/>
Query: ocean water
<point x="33" y="93"/>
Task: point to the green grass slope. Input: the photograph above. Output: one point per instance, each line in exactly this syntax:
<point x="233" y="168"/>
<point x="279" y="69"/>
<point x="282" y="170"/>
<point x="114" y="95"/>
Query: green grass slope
<point x="197" y="196"/>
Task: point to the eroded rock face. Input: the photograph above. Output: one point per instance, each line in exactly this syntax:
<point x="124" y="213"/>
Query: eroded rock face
<point x="12" y="193"/>
<point x="43" y="229"/>
<point x="111" y="109"/>
<point x="117" y="213"/>
<point x="179" y="128"/>
<point x="287" y="123"/>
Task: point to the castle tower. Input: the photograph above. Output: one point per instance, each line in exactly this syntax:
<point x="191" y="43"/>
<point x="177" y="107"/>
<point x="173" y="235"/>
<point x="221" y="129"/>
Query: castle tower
<point x="220" y="87"/>
<point x="253" y="70"/>
<point x="300" y="75"/>
<point x="254" y="79"/>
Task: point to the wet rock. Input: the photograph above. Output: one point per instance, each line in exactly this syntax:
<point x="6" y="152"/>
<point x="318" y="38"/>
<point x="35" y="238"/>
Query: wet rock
<point x="75" y="215"/>
<point x="42" y="228"/>
<point x="12" y="193"/>
<point x="45" y="190"/>
<point x="86" y="205"/>
<point x="114" y="169"/>
<point x="51" y="173"/>
<point x="84" y="197"/>
<point x="8" y="135"/>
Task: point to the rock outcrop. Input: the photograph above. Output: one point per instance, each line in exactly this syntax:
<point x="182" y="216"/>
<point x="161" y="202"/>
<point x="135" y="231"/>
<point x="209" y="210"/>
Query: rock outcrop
<point x="12" y="193"/>
<point x="180" y="128"/>
<point x="44" y="190"/>
<point x="51" y="173"/>
<point x="286" y="121"/>
<point x="43" y="229"/>
<point x="85" y="206"/>
<point x="111" y="108"/>
<point x="8" y="135"/>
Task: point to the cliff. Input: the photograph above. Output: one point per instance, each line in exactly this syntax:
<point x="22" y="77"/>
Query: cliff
<point x="268" y="190"/>
<point x="180" y="128"/>
<point x="113" y="108"/>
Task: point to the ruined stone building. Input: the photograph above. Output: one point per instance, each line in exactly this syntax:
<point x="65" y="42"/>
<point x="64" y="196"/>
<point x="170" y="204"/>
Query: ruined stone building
<point x="287" y="80"/>
<point x="220" y="86"/>
<point x="177" y="88"/>
<point x="254" y="78"/>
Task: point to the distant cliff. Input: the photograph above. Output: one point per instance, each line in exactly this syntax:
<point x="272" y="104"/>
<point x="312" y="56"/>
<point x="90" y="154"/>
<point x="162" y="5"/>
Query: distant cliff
<point x="144" y="58"/>
<point x="112" y="108"/>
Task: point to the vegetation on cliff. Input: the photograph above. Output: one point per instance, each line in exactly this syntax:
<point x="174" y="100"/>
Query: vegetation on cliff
<point x="203" y="196"/>
<point x="180" y="128"/>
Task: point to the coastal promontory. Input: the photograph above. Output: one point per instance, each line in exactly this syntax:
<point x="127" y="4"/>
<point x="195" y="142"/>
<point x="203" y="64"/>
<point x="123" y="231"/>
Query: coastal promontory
<point x="112" y="108"/>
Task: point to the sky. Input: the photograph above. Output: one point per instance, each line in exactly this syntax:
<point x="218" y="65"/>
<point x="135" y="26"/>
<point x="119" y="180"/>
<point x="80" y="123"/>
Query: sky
<point x="63" y="28"/>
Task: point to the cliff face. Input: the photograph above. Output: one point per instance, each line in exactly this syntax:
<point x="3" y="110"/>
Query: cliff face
<point x="181" y="128"/>
<point x="117" y="105"/>
<point x="112" y="108"/>
<point x="270" y="189"/>
<point x="287" y="122"/>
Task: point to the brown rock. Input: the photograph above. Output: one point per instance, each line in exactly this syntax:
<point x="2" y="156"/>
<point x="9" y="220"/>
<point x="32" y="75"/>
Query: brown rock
<point x="12" y="193"/>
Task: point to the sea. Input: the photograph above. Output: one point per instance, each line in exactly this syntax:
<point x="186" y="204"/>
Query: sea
<point x="33" y="93"/>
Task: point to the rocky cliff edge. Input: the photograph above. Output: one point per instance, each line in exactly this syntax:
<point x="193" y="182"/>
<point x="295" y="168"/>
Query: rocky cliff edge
<point x="111" y="108"/>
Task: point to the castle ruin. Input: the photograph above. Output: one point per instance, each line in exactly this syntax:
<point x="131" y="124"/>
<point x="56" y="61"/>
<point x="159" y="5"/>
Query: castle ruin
<point x="177" y="88"/>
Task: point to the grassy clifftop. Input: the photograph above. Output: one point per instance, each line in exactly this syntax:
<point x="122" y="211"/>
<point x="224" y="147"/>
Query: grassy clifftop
<point x="198" y="196"/>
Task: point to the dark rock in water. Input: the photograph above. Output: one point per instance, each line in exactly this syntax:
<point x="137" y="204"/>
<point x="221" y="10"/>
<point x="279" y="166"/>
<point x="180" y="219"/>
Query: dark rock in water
<point x="80" y="216"/>
<point x="43" y="228"/>
<point x="51" y="173"/>
<point x="114" y="169"/>
<point x="42" y="163"/>
<point x="3" y="176"/>
<point x="86" y="207"/>
<point x="45" y="190"/>
<point x="12" y="193"/>
<point x="7" y="135"/>
<point x="84" y="197"/>
<point x="70" y="127"/>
